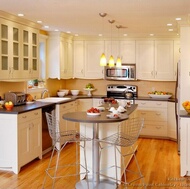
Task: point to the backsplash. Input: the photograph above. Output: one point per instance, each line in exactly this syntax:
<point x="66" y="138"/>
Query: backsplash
<point x="100" y="85"/>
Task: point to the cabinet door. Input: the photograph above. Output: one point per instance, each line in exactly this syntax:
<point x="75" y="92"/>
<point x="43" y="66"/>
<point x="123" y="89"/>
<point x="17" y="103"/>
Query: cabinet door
<point x="10" y="50"/>
<point x="127" y="51"/>
<point x="79" y="59"/>
<point x="164" y="63"/>
<point x="93" y="51"/>
<point x="30" y="65"/>
<point x="145" y="59"/>
<point x="177" y="53"/>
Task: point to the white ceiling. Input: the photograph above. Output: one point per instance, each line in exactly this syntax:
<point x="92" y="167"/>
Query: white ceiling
<point x="141" y="17"/>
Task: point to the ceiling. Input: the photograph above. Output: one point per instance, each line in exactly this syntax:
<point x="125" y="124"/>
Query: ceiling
<point x="139" y="18"/>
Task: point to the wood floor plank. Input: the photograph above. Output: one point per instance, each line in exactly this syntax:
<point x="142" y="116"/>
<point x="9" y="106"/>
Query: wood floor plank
<point x="158" y="160"/>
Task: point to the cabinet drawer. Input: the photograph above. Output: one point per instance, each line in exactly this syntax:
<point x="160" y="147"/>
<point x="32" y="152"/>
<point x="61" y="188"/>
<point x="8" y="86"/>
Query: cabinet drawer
<point x="29" y="115"/>
<point x="67" y="106"/>
<point x="158" y="115"/>
<point x="151" y="104"/>
<point x="154" y="129"/>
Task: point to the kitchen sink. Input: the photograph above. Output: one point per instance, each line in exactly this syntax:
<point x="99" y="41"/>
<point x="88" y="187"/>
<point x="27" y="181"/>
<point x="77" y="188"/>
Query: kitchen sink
<point x="53" y="99"/>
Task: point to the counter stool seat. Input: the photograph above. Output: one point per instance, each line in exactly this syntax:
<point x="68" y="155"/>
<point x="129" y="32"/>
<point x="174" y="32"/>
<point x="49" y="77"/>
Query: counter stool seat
<point x="55" y="170"/>
<point x="126" y="136"/>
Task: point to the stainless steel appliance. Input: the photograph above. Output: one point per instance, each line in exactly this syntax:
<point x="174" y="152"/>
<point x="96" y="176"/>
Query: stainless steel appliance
<point x="129" y="92"/>
<point x="125" y="72"/>
<point x="18" y="98"/>
<point x="177" y="109"/>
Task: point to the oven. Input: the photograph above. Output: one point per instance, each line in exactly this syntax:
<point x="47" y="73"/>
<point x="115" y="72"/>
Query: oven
<point x="128" y="92"/>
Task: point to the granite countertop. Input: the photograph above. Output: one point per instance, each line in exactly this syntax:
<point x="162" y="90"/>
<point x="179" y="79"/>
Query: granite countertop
<point x="38" y="104"/>
<point x="183" y="113"/>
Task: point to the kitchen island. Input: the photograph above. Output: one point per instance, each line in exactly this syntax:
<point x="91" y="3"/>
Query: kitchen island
<point x="97" y="127"/>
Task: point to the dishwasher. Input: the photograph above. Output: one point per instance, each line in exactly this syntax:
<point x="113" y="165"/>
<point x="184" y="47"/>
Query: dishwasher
<point x="46" y="139"/>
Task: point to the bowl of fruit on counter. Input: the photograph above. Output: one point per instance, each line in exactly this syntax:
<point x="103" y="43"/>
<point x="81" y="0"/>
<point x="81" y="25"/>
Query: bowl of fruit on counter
<point x="89" y="88"/>
<point x="160" y="94"/>
<point x="186" y="106"/>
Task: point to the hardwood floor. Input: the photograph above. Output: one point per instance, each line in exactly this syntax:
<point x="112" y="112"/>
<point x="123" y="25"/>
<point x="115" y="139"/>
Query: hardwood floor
<point x="158" y="160"/>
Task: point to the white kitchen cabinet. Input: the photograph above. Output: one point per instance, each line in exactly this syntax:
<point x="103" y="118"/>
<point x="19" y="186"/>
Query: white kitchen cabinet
<point x="64" y="124"/>
<point x="177" y="52"/>
<point x="128" y="52"/>
<point x="87" y="59"/>
<point x="98" y="102"/>
<point x="30" y="136"/>
<point x="20" y="139"/>
<point x="18" y="51"/>
<point x="145" y="59"/>
<point x="171" y="124"/>
<point x="155" y="60"/>
<point x="60" y="62"/>
<point x="10" y="50"/>
<point x="155" y="118"/>
<point x="184" y="146"/>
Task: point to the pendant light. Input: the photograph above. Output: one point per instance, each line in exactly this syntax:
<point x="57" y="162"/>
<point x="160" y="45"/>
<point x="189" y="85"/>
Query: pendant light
<point x="111" y="59"/>
<point x="103" y="61"/>
<point x="118" y="62"/>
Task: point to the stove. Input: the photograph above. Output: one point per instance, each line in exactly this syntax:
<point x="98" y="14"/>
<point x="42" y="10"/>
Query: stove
<point x="122" y="91"/>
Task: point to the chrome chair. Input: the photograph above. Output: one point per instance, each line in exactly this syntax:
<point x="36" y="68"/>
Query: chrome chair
<point x="54" y="170"/>
<point x="126" y="136"/>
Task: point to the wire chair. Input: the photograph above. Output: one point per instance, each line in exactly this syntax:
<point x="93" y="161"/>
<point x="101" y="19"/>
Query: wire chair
<point x="54" y="169"/>
<point x="125" y="137"/>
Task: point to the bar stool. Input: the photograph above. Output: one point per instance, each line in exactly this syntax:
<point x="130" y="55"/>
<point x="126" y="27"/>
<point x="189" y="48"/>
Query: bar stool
<point x="69" y="136"/>
<point x="126" y="136"/>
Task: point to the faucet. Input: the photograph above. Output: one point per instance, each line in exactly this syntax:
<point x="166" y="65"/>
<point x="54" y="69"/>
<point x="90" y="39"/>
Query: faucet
<point x="44" y="92"/>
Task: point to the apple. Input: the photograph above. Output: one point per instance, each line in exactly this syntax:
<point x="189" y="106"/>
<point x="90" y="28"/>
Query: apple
<point x="10" y="103"/>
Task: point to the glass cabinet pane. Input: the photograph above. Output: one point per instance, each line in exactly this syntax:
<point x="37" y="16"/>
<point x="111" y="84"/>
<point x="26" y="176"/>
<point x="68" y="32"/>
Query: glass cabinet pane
<point x="26" y="64"/>
<point x="25" y="50"/>
<point x="34" y="38"/>
<point x="4" y="62"/>
<point x="34" y="52"/>
<point x="15" y="49"/>
<point x="25" y="36"/>
<point x="16" y="63"/>
<point x="34" y="64"/>
<point x="15" y="34"/>
<point x="4" y="47"/>
<point x="4" y="31"/>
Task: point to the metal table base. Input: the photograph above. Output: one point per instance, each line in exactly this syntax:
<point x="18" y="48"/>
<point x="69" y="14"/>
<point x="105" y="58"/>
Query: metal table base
<point x="103" y="184"/>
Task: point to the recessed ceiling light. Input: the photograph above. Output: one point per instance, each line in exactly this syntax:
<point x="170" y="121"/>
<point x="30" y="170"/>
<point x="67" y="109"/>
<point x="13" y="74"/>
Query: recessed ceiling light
<point x="46" y="26"/>
<point x="68" y="31"/>
<point x="178" y="19"/>
<point x="56" y="30"/>
<point x="151" y="34"/>
<point x="76" y="35"/>
<point x="20" y="14"/>
<point x="170" y="29"/>
<point x="100" y="35"/>
<point x="169" y="24"/>
<point x="125" y="34"/>
<point x="39" y="21"/>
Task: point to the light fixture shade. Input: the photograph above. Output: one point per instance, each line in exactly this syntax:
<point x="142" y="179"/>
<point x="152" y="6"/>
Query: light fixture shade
<point x="118" y="63"/>
<point x="111" y="61"/>
<point x="103" y="60"/>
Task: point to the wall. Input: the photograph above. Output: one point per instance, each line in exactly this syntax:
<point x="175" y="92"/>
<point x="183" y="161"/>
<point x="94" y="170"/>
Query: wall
<point x="53" y="85"/>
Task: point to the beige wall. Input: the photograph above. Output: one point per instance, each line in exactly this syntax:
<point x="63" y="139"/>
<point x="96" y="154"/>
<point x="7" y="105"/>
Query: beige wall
<point x="53" y="85"/>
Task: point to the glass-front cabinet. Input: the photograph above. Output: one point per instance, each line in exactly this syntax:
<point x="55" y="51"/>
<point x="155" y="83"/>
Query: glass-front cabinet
<point x="10" y="63"/>
<point x="18" y="51"/>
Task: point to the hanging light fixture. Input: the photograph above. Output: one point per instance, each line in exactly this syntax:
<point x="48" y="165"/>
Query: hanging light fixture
<point x="103" y="61"/>
<point x="111" y="59"/>
<point x="118" y="62"/>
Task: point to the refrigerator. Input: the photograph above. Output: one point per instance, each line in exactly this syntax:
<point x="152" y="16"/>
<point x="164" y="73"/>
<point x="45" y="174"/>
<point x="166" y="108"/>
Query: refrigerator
<point x="177" y="107"/>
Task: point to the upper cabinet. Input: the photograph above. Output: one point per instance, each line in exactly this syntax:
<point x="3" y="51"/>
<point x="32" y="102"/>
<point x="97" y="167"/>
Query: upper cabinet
<point x="155" y="60"/>
<point x="18" y="48"/>
<point x="87" y="59"/>
<point x="60" y="56"/>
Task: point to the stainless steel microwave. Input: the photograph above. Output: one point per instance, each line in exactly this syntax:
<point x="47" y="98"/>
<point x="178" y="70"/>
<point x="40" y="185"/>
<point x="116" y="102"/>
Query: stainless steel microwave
<point x="125" y="72"/>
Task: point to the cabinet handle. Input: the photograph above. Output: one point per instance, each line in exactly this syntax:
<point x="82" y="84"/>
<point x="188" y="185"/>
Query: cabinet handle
<point x="158" y="113"/>
<point x="143" y="103"/>
<point x="24" y="117"/>
<point x="82" y="71"/>
<point x="155" y="72"/>
<point x="158" y="127"/>
<point x="36" y="113"/>
<point x="152" y="72"/>
<point x="158" y="104"/>
<point x="143" y="113"/>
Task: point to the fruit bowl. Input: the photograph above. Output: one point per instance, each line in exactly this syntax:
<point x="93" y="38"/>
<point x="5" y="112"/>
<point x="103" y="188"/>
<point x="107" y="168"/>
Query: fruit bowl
<point x="9" y="107"/>
<point x="186" y="106"/>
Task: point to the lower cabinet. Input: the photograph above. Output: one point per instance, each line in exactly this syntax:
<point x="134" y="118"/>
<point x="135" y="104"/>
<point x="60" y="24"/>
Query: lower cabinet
<point x="64" y="124"/>
<point x="155" y="118"/>
<point x="20" y="139"/>
<point x="184" y="146"/>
